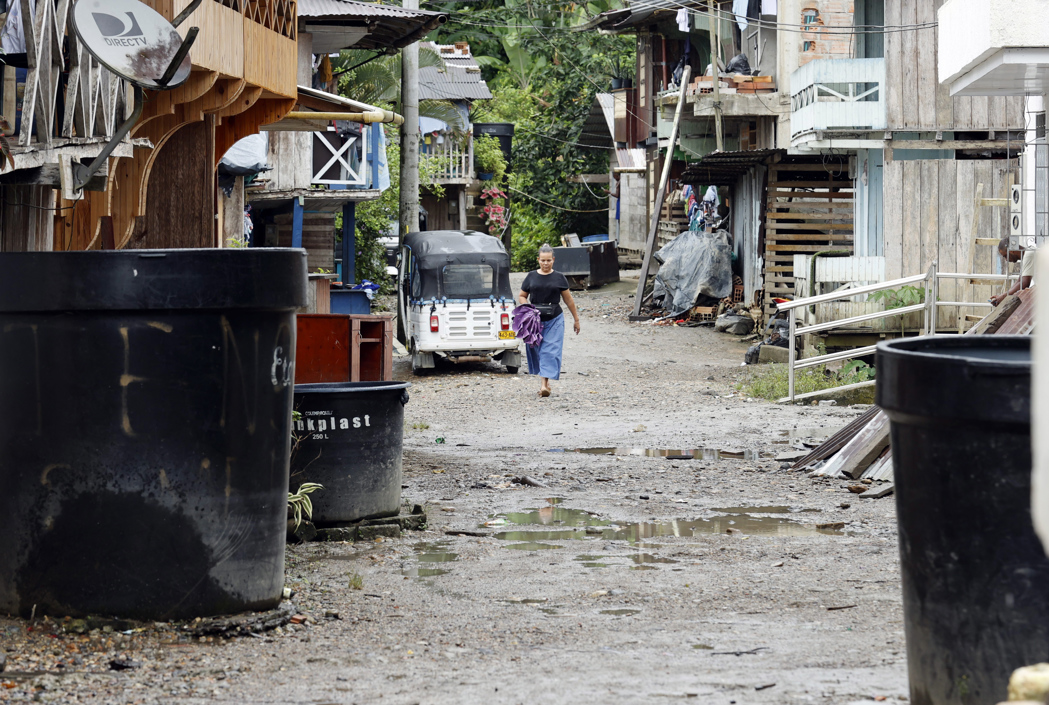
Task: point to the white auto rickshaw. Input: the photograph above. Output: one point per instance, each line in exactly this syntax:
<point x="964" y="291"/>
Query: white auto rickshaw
<point x="454" y="297"/>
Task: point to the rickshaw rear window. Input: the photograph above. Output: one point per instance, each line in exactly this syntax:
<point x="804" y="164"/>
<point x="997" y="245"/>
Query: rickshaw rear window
<point x="464" y="281"/>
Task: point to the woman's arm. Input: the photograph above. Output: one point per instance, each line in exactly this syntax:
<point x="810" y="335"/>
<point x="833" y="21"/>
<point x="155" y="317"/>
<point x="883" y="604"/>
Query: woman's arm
<point x="522" y="298"/>
<point x="566" y="295"/>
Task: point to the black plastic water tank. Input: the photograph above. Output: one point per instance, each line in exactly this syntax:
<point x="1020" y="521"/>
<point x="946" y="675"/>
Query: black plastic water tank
<point x="350" y="437"/>
<point x="145" y="410"/>
<point x="974" y="574"/>
<point x="502" y="131"/>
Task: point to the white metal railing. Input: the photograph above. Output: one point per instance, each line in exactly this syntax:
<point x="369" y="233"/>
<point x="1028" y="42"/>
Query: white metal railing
<point x="336" y="161"/>
<point x="453" y="159"/>
<point x="931" y="282"/>
<point x="838" y="94"/>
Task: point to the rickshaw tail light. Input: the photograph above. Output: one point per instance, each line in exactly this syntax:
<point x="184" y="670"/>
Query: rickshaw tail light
<point x="504" y="321"/>
<point x="434" y="323"/>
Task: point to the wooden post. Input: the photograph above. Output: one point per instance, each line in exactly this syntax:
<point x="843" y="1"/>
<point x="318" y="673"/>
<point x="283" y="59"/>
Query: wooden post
<point x="715" y="71"/>
<point x="790" y="356"/>
<point x="296" y="223"/>
<point x="664" y="178"/>
<point x="349" y="243"/>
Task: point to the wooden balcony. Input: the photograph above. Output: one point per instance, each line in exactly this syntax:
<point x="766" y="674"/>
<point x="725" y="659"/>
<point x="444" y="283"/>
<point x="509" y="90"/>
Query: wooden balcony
<point x="842" y="96"/>
<point x="266" y="55"/>
<point x="452" y="160"/>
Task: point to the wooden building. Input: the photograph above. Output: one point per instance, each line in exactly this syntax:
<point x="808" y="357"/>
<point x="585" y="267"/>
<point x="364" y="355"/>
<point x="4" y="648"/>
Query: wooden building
<point x="850" y="147"/>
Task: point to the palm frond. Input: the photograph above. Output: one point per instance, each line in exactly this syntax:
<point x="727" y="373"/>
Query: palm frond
<point x="445" y="111"/>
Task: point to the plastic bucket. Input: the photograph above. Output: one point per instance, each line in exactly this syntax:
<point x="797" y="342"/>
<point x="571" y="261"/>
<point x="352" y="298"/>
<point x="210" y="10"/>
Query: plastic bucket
<point x="349" y="439"/>
<point x="974" y="574"/>
<point x="145" y="410"/>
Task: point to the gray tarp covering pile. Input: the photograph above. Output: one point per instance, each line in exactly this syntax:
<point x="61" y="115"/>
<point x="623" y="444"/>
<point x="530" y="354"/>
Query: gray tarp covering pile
<point x="693" y="264"/>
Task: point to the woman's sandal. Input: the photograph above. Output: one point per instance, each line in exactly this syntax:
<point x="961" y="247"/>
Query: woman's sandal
<point x="544" y="392"/>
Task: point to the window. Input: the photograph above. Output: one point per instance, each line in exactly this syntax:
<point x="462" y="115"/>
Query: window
<point x="467" y="281"/>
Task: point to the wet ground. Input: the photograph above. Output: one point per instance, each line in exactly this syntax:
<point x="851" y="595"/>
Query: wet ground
<point x="668" y="557"/>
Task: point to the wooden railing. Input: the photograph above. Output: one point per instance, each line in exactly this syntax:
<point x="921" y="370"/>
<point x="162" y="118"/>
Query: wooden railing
<point x="94" y="101"/>
<point x="452" y="160"/>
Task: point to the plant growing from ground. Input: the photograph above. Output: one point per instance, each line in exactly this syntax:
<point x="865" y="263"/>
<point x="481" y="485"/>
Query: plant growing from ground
<point x="489" y="157"/>
<point x="300" y="504"/>
<point x="898" y="298"/>
<point x="356" y="581"/>
<point x="771" y="381"/>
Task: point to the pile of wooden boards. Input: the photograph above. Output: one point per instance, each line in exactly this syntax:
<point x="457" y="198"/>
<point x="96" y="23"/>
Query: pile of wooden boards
<point x="861" y="450"/>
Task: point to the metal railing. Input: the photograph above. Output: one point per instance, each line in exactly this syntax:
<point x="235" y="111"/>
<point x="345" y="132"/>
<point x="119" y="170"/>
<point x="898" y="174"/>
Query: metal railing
<point x="932" y="287"/>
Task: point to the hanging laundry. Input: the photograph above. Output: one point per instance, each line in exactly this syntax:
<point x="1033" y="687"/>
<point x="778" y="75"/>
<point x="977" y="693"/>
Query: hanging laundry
<point x="769" y="7"/>
<point x="739" y="9"/>
<point x="682" y="20"/>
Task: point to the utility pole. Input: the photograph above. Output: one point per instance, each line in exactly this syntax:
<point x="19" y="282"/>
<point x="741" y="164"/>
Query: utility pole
<point x="715" y="19"/>
<point x="409" y="205"/>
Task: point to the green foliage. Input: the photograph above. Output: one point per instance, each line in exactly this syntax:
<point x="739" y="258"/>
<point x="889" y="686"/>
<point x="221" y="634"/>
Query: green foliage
<point x="378" y="82"/>
<point x="855" y="371"/>
<point x="771" y="381"/>
<point x="532" y="226"/>
<point x="489" y="157"/>
<point x="299" y="501"/>
<point x="544" y="78"/>
<point x="356" y="581"/>
<point x="898" y="298"/>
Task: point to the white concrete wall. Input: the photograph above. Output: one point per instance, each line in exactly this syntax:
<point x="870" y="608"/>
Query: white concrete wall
<point x="970" y="31"/>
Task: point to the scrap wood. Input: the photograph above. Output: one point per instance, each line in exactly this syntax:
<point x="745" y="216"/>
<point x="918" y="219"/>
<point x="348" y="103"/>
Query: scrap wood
<point x="835" y="443"/>
<point x="1021" y="321"/>
<point x="858" y="454"/>
<point x="880" y="469"/>
<point x="243" y="624"/>
<point x="990" y="323"/>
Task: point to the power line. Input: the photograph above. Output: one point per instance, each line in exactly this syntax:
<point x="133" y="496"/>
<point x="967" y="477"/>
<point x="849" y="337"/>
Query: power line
<point x="551" y="205"/>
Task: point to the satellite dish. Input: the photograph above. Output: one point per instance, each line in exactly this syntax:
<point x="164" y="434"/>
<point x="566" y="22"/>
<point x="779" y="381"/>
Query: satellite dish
<point x="136" y="43"/>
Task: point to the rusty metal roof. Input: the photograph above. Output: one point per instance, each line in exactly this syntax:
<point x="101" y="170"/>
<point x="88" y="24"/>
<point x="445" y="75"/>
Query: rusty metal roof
<point x="724" y="168"/>
<point x="340" y="24"/>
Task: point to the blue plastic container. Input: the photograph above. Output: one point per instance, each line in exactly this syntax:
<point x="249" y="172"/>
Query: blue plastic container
<point x="350" y="301"/>
<point x="595" y="238"/>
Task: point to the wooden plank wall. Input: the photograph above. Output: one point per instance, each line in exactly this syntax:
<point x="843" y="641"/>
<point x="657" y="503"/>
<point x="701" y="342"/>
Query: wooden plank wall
<point x="318" y="238"/>
<point x="915" y="98"/>
<point x="26" y="218"/>
<point x="180" y="201"/>
<point x="928" y="217"/>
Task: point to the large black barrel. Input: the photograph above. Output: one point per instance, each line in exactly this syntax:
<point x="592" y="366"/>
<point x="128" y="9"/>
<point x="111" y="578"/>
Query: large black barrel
<point x="145" y="412"/>
<point x="350" y="436"/>
<point x="975" y="576"/>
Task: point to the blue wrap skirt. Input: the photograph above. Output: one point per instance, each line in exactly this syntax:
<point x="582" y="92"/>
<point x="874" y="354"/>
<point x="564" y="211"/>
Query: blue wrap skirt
<point x="545" y="359"/>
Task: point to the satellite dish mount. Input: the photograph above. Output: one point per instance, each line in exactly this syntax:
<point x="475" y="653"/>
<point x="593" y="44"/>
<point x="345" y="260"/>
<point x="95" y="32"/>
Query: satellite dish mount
<point x="139" y="45"/>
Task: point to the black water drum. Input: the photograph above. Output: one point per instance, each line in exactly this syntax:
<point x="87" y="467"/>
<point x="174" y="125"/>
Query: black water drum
<point x="975" y="576"/>
<point x="350" y="437"/>
<point x="145" y="414"/>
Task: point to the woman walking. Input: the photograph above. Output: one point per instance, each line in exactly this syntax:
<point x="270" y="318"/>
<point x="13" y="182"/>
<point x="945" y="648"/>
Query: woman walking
<point x="545" y="289"/>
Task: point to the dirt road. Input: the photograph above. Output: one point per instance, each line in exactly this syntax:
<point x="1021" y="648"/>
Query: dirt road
<point x="626" y="579"/>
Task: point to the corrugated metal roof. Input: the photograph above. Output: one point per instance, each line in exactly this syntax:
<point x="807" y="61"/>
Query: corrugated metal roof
<point x="453" y="84"/>
<point x="599" y="127"/>
<point x="723" y="168"/>
<point x="337" y="24"/>
<point x="631" y="158"/>
<point x="349" y="8"/>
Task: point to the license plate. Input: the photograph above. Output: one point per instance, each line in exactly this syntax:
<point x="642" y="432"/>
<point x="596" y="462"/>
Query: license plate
<point x="507" y="335"/>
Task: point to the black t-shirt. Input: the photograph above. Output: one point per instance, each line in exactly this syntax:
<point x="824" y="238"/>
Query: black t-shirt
<point x="545" y="289"/>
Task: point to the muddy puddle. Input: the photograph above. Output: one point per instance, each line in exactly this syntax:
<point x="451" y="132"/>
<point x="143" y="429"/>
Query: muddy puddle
<point x="578" y="525"/>
<point x="673" y="453"/>
<point x="621" y="613"/>
<point x="429" y="555"/>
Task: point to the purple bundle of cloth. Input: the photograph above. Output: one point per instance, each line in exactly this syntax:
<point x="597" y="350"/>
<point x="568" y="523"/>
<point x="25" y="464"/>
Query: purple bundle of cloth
<point x="527" y="324"/>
